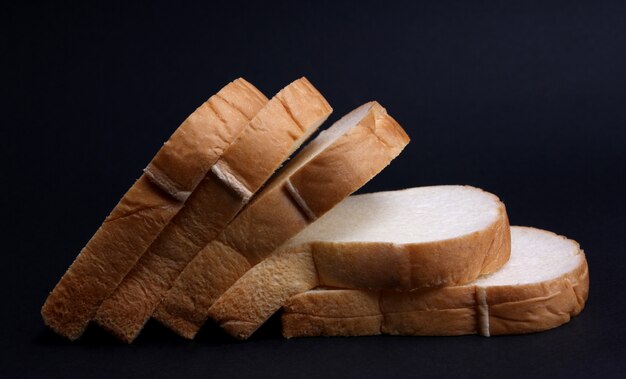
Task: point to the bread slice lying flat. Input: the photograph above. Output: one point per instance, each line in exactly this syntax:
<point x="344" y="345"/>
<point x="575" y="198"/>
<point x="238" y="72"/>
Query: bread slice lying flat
<point x="336" y="163"/>
<point x="413" y="238"/>
<point x="542" y="286"/>
<point x="148" y="206"/>
<point x="274" y="133"/>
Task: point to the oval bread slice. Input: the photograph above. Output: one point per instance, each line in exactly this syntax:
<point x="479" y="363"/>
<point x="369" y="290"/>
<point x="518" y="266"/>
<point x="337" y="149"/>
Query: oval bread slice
<point x="543" y="285"/>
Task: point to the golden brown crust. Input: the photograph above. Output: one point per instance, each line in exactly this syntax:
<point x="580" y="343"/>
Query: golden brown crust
<point x="278" y="130"/>
<point x="241" y="170"/>
<point x="145" y="210"/>
<point x="333" y="302"/>
<point x="362" y="316"/>
<point x="555" y="303"/>
<point x="440" y="311"/>
<point x="274" y="217"/>
<point x="299" y="325"/>
<point x="379" y="138"/>
<point x="243" y="308"/>
<point x="539" y="307"/>
<point x="193" y="148"/>
<point x="183" y="315"/>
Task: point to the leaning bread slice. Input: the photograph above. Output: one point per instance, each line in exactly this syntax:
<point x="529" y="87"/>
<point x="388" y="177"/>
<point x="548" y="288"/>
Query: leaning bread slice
<point x="407" y="239"/>
<point x="336" y="163"/>
<point x="148" y="206"/>
<point x="274" y="133"/>
<point x="542" y="286"/>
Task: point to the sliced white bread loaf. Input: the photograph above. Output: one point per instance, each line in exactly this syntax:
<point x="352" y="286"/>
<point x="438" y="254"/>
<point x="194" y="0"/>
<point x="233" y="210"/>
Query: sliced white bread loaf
<point x="542" y="286"/>
<point x="406" y="239"/>
<point x="148" y="206"/>
<point x="335" y="164"/>
<point x="277" y="130"/>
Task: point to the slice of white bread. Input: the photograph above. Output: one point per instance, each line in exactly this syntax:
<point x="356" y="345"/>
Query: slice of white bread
<point x="331" y="167"/>
<point x="406" y="239"/>
<point x="542" y="286"/>
<point x="274" y="133"/>
<point x="148" y="206"/>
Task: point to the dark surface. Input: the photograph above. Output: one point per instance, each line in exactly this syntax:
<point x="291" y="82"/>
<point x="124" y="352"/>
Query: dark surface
<point x="527" y="101"/>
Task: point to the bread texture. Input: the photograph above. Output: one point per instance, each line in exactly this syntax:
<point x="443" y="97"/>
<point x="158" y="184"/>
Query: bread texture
<point x="544" y="284"/>
<point x="153" y="200"/>
<point x="331" y="167"/>
<point x="273" y="134"/>
<point x="402" y="240"/>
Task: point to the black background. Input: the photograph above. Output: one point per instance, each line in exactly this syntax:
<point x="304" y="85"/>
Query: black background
<point x="525" y="100"/>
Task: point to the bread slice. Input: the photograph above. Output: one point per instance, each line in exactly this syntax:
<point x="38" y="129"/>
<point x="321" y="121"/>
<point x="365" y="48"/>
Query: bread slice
<point x="407" y="239"/>
<point x="543" y="285"/>
<point x="274" y="133"/>
<point x="148" y="206"/>
<point x="339" y="161"/>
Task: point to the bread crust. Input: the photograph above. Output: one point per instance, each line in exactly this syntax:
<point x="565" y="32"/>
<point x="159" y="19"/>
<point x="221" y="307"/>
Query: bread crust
<point x="148" y="206"/>
<point x="273" y="133"/>
<point x="193" y="148"/>
<point x="293" y="272"/>
<point x="455" y="310"/>
<point x="275" y="216"/>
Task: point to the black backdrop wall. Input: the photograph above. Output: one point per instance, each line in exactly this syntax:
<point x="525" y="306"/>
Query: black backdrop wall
<point x="524" y="100"/>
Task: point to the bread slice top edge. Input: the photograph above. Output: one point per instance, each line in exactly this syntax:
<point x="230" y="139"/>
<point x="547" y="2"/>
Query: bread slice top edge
<point x="275" y="132"/>
<point x="201" y="139"/>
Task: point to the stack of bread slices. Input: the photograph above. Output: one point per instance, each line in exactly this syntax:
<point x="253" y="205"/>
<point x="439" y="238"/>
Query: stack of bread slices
<point x="216" y="229"/>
